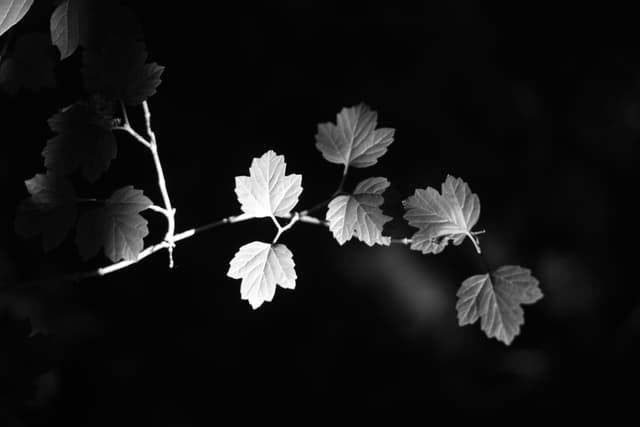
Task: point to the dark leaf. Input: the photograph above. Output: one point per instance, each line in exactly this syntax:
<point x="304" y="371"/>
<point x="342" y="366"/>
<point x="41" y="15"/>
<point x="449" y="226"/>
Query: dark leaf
<point x="50" y="211"/>
<point x="84" y="140"/>
<point x="120" y="72"/>
<point x="32" y="65"/>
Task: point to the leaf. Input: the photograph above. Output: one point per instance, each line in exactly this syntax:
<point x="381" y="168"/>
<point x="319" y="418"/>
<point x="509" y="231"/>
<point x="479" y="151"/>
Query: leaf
<point x="12" y="11"/>
<point x="441" y="218"/>
<point x="84" y="141"/>
<point x="359" y="214"/>
<point x="496" y="300"/>
<point x="262" y="266"/>
<point x="66" y="24"/>
<point x="120" y="72"/>
<point x="117" y="226"/>
<point x="32" y="65"/>
<point x="354" y="141"/>
<point x="267" y="191"/>
<point x="51" y="210"/>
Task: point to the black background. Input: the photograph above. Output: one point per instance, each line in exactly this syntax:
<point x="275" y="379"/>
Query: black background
<point x="535" y="106"/>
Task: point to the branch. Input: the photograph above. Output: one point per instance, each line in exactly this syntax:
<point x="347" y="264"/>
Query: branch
<point x="170" y="212"/>
<point x="127" y="128"/>
<point x="178" y="237"/>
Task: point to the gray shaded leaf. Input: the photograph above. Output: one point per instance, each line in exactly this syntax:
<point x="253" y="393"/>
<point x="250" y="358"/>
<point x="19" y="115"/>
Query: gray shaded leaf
<point x="262" y="266"/>
<point x="65" y="26"/>
<point x="496" y="299"/>
<point x="441" y="218"/>
<point x="11" y="12"/>
<point x="359" y="214"/>
<point x="51" y="210"/>
<point x="354" y="140"/>
<point x="117" y="227"/>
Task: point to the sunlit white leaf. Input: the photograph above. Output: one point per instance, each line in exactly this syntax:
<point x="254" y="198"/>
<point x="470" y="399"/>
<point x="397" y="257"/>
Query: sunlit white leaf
<point x="262" y="266"/>
<point x="267" y="191"/>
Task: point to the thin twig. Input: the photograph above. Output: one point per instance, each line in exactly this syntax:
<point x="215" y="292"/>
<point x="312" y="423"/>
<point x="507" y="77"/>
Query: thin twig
<point x="294" y="219"/>
<point x="162" y="183"/>
<point x="133" y="133"/>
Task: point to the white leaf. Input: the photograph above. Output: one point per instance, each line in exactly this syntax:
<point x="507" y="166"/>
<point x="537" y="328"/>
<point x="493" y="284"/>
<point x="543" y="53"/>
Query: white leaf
<point x="441" y="218"/>
<point x="267" y="191"/>
<point x="359" y="214"/>
<point x="262" y="266"/>
<point x="11" y="12"/>
<point x="354" y="140"/>
<point x="496" y="300"/>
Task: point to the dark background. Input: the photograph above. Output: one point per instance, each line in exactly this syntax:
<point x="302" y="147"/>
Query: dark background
<point x="537" y="107"/>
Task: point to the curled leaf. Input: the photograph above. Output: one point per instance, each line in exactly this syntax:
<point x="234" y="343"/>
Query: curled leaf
<point x="441" y="218"/>
<point x="359" y="214"/>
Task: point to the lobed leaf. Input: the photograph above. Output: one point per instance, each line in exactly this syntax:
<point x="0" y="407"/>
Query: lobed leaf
<point x="359" y="214"/>
<point x="11" y="12"/>
<point x="441" y="218"/>
<point x="120" y="72"/>
<point x="84" y="141"/>
<point x="262" y="266"/>
<point x="50" y="210"/>
<point x="267" y="191"/>
<point x="496" y="299"/>
<point x="117" y="226"/>
<point x="354" y="139"/>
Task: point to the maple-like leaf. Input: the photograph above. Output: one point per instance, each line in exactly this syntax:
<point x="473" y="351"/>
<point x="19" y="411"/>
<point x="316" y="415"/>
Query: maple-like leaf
<point x="267" y="191"/>
<point x="11" y="12"/>
<point x="496" y="299"/>
<point x="51" y="210"/>
<point x="84" y="141"/>
<point x="441" y="218"/>
<point x="120" y="72"/>
<point x="66" y="26"/>
<point x="262" y="266"/>
<point x="354" y="139"/>
<point x="359" y="214"/>
<point x="31" y="66"/>
<point x="117" y="226"/>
